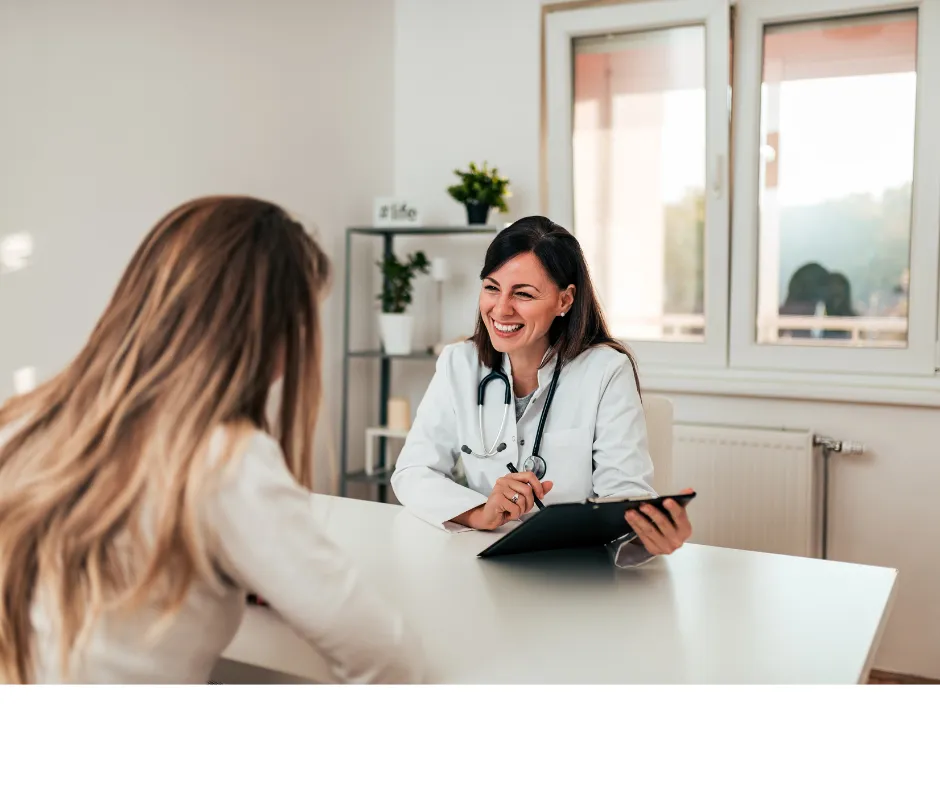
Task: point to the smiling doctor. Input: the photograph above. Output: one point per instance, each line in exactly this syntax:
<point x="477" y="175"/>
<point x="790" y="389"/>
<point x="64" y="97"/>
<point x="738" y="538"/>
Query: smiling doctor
<point x="541" y="385"/>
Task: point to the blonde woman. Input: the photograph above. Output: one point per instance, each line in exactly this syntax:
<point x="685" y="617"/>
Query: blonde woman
<point x="143" y="492"/>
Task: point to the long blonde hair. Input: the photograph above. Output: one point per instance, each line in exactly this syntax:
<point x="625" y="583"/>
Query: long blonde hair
<point x="220" y="293"/>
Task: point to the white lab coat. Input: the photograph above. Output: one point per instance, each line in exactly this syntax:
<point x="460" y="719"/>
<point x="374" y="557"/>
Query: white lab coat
<point x="594" y="442"/>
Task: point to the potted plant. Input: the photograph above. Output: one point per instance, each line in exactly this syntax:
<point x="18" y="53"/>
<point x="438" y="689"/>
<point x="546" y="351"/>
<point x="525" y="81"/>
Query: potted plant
<point x="394" y="325"/>
<point x="480" y="189"/>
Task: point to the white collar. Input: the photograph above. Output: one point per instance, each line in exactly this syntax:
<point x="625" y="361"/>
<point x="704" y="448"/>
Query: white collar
<point x="545" y="371"/>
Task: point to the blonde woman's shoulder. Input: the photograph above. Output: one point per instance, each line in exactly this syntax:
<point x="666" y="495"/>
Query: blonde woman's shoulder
<point x="237" y="447"/>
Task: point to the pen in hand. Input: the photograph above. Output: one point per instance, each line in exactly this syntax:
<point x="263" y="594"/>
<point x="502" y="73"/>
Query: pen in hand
<point x="512" y="469"/>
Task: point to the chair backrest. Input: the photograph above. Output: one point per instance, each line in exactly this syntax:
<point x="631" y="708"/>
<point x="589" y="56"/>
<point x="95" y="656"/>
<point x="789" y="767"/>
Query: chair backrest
<point x="658" y="412"/>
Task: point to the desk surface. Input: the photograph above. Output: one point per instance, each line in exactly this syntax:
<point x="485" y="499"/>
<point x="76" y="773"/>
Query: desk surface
<point x="702" y="615"/>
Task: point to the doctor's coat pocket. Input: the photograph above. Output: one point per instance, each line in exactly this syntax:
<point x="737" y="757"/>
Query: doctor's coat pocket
<point x="569" y="457"/>
<point x="480" y="474"/>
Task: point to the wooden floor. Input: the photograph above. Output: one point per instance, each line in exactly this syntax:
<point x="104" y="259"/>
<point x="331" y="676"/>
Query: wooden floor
<point x="883" y="677"/>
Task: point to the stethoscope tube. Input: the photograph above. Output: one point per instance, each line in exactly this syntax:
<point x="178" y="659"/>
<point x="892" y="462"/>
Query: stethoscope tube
<point x="535" y="463"/>
<point x="497" y="447"/>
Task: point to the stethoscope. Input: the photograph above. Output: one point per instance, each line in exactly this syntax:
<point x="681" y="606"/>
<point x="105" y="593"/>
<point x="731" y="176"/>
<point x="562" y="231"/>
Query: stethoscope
<point x="535" y="463"/>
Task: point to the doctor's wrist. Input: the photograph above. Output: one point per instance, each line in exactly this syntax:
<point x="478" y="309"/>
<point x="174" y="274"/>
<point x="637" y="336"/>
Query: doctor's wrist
<point x="472" y="518"/>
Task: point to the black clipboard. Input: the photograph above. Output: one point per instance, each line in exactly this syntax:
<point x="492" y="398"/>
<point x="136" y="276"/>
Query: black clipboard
<point x="570" y="526"/>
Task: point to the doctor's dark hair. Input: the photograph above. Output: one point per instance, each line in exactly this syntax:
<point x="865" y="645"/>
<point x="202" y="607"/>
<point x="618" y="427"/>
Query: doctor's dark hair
<point x="583" y="325"/>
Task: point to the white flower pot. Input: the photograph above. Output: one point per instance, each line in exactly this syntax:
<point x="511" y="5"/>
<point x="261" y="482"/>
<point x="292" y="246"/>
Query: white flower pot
<point x="395" y="331"/>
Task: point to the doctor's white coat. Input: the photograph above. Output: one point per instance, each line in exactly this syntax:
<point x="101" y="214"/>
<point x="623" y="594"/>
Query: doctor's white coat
<point x="594" y="442"/>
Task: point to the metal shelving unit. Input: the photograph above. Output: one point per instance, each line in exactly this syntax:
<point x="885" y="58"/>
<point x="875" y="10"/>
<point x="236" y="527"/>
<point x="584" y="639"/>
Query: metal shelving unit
<point x="381" y="478"/>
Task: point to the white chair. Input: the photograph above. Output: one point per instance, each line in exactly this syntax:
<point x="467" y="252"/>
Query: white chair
<point x="658" y="412"/>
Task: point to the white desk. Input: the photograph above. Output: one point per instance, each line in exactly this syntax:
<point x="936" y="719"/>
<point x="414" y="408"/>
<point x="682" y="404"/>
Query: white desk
<point x="703" y="615"/>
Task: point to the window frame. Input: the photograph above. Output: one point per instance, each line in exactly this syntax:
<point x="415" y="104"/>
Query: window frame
<point x="919" y="358"/>
<point x="561" y="28"/>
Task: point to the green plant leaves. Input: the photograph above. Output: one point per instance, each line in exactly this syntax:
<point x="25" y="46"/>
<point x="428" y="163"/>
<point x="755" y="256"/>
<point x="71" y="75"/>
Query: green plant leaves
<point x="481" y="184"/>
<point x="397" y="279"/>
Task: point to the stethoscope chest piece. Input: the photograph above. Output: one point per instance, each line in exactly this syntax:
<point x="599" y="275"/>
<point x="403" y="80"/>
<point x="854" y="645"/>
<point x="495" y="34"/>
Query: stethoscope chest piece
<point x="535" y="464"/>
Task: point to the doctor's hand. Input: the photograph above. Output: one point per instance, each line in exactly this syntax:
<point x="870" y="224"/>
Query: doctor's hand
<point x="511" y="498"/>
<point x="659" y="534"/>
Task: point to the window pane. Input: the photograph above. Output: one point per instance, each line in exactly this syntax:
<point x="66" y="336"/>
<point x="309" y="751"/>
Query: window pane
<point x="639" y="178"/>
<point x="837" y="160"/>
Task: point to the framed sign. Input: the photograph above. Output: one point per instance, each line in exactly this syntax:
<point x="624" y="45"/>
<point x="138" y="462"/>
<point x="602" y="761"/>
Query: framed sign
<point x="395" y="212"/>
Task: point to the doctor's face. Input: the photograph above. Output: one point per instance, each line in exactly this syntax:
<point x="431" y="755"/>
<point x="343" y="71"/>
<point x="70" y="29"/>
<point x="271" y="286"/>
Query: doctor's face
<point x="518" y="303"/>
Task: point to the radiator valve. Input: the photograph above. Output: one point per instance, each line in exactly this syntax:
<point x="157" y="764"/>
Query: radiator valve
<point x="838" y="447"/>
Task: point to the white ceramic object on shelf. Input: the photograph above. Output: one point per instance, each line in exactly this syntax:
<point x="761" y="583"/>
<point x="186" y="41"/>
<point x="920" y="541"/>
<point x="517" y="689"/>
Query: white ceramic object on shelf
<point x="380" y="432"/>
<point x="395" y="330"/>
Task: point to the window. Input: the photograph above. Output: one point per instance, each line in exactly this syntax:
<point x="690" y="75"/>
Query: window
<point x="638" y="141"/>
<point x="828" y="259"/>
<point x="836" y="168"/>
<point x="639" y="109"/>
<point x="859" y="196"/>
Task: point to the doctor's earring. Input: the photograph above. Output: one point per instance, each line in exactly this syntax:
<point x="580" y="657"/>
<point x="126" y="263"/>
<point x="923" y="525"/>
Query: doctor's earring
<point x="562" y="314"/>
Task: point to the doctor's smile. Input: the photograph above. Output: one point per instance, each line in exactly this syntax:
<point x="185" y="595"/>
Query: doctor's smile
<point x="505" y="329"/>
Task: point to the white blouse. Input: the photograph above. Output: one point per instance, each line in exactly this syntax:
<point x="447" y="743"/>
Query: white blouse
<point x="270" y="543"/>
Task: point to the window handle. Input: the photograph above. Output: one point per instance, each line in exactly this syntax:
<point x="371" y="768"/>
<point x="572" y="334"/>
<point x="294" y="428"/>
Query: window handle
<point x="718" y="177"/>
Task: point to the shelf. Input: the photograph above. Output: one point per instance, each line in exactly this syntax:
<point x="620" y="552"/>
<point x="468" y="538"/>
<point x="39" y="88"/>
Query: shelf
<point x="474" y="234"/>
<point x="387" y="432"/>
<point x="381" y="478"/>
<point x="456" y="229"/>
<point x="416" y="356"/>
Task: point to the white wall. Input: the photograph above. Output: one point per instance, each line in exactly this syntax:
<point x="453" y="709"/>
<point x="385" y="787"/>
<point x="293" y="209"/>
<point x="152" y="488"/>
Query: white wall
<point x="114" y="112"/>
<point x="466" y="89"/>
<point x="467" y="86"/>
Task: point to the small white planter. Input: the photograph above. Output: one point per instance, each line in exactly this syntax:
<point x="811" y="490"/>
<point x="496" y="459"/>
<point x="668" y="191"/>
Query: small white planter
<point x="395" y="331"/>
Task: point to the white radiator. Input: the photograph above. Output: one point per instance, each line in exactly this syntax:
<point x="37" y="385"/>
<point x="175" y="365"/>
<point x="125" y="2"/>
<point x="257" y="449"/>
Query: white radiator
<point x="757" y="488"/>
